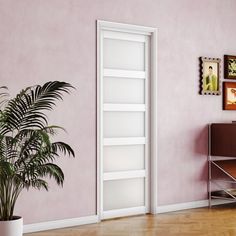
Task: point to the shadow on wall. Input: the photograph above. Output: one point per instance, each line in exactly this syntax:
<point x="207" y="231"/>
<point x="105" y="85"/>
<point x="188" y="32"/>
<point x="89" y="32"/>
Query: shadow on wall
<point x="201" y="142"/>
<point x="203" y="173"/>
<point x="201" y="147"/>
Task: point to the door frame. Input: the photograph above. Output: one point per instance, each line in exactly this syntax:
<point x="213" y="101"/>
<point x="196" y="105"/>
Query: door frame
<point x="152" y="32"/>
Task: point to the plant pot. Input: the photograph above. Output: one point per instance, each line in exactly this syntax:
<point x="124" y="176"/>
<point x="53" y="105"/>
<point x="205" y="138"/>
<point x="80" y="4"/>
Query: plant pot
<point x="12" y="227"/>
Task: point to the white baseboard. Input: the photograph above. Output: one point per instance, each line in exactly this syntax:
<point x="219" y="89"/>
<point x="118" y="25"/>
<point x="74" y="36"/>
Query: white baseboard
<point x="30" y="228"/>
<point x="57" y="224"/>
<point x="181" y="206"/>
<point x="189" y="205"/>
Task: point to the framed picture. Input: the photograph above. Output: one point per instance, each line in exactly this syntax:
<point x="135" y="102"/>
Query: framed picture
<point x="229" y="98"/>
<point x="210" y="76"/>
<point x="230" y="67"/>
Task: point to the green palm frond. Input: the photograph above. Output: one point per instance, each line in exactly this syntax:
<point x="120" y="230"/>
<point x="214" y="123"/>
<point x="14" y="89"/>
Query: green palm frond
<point x="53" y="129"/>
<point x="3" y="95"/>
<point x="52" y="171"/>
<point x="7" y="148"/>
<point x="6" y="169"/>
<point x="36" y="183"/>
<point x="27" y="152"/>
<point x="63" y="148"/>
<point x="26" y="110"/>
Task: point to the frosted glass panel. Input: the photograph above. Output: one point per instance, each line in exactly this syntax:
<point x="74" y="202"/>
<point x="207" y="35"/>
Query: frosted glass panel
<point x="123" y="90"/>
<point x="122" y="54"/>
<point x="123" y="193"/>
<point x="123" y="158"/>
<point x="123" y="124"/>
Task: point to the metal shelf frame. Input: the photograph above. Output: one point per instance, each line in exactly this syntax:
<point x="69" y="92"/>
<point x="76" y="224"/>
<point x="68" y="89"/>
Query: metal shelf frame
<point x="213" y="162"/>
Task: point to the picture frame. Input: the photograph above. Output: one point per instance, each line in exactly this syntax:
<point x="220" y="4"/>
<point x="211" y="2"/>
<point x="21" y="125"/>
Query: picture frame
<point x="210" y="76"/>
<point x="229" y="67"/>
<point x="229" y="95"/>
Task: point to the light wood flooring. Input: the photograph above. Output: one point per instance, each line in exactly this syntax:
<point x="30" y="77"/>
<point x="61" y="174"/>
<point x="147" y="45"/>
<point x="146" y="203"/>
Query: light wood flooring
<point x="218" y="221"/>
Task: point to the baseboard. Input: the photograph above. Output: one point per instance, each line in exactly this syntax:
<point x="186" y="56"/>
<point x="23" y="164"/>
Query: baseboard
<point x="30" y="228"/>
<point x="42" y="226"/>
<point x="181" y="206"/>
<point x="189" y="205"/>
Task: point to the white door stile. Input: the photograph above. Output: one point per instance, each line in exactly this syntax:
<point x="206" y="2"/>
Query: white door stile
<point x="100" y="126"/>
<point x="98" y="123"/>
<point x="153" y="122"/>
<point x="105" y="30"/>
<point x="147" y="124"/>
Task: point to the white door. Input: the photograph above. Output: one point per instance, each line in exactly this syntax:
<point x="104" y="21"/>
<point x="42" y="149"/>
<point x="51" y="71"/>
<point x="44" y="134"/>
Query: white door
<point x="124" y="120"/>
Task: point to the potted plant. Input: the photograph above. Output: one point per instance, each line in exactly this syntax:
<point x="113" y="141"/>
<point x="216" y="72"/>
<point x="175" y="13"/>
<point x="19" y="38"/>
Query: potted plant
<point x="27" y="152"/>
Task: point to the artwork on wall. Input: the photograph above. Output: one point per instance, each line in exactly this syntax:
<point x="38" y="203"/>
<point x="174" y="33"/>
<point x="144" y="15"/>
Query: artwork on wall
<point x="210" y="76"/>
<point x="229" y="95"/>
<point x="230" y="67"/>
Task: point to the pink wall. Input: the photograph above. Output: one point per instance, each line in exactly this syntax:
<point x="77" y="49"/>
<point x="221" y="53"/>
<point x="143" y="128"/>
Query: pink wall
<point x="56" y="40"/>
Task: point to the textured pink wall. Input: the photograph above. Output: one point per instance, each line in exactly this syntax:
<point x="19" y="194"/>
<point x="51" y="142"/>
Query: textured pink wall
<point x="56" y="40"/>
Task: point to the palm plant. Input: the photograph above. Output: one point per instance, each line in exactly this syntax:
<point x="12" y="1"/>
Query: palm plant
<point x="27" y="153"/>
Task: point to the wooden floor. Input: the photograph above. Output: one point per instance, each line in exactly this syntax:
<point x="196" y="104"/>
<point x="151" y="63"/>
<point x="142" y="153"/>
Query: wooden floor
<point x="220" y="220"/>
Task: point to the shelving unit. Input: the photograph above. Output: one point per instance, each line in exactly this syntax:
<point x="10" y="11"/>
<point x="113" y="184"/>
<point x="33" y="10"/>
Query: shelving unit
<point x="222" y="162"/>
